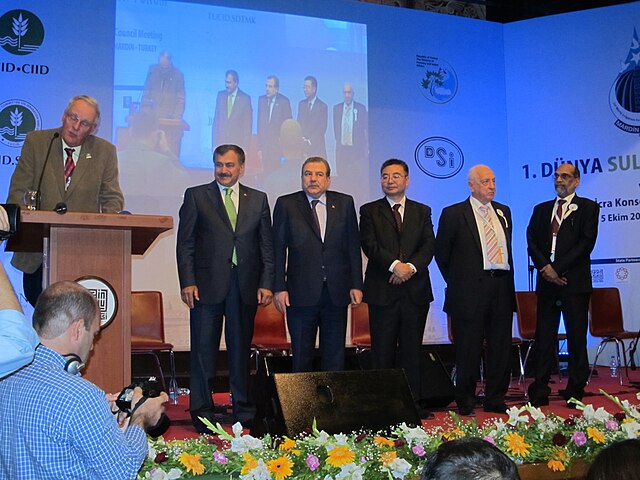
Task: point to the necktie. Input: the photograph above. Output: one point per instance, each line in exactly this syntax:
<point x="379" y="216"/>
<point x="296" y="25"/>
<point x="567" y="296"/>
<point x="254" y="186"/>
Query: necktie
<point x="397" y="217"/>
<point x="347" y="132"/>
<point x="270" y="106"/>
<point x="494" y="253"/>
<point x="233" y="218"/>
<point x="229" y="105"/>
<point x="557" y="218"/>
<point x="314" y="204"/>
<point x="69" y="167"/>
<point x="310" y="106"/>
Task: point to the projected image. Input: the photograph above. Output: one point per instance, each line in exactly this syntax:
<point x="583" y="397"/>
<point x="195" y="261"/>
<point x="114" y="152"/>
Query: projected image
<point x="189" y="77"/>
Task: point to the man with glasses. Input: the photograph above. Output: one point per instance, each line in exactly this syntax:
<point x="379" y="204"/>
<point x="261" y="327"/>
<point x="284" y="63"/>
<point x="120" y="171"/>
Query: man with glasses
<point x="67" y="165"/>
<point x="560" y="237"/>
<point x="397" y="237"/>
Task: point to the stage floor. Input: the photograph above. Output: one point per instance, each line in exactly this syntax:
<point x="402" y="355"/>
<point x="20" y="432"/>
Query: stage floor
<point x="181" y="422"/>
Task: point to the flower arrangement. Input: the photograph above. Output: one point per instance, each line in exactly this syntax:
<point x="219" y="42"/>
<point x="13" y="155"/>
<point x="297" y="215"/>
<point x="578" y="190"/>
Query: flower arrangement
<point x="527" y="436"/>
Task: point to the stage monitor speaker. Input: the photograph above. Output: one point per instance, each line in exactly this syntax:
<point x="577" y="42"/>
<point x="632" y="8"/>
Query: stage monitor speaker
<point x="346" y="401"/>
<point x="437" y="390"/>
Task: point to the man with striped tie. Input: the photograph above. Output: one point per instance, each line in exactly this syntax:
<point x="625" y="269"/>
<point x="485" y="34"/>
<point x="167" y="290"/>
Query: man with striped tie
<point x="473" y="252"/>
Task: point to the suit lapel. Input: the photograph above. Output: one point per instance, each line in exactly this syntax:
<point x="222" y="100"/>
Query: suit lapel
<point x="332" y="212"/>
<point x="216" y="199"/>
<point x="243" y="205"/>
<point x="307" y="214"/>
<point x="470" y="219"/>
<point x="386" y="213"/>
<point x="84" y="165"/>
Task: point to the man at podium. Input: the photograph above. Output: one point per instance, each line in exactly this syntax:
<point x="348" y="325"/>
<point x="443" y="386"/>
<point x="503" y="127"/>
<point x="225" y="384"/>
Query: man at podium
<point x="68" y="168"/>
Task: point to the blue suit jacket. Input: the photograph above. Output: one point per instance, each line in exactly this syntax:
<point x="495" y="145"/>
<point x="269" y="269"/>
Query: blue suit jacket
<point x="205" y="243"/>
<point x="303" y="260"/>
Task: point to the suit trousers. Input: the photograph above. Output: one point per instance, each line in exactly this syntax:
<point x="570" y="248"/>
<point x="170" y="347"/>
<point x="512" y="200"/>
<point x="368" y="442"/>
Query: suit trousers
<point x="206" y="330"/>
<point x="574" y="308"/>
<point x="491" y="322"/>
<point x="304" y="322"/>
<point x="396" y="337"/>
<point x="32" y="285"/>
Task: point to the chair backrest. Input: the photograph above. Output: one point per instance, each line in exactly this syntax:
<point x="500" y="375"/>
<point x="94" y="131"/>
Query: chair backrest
<point x="147" y="317"/>
<point x="269" y="327"/>
<point x="605" y="311"/>
<point x="360" y="334"/>
<point x="527" y="314"/>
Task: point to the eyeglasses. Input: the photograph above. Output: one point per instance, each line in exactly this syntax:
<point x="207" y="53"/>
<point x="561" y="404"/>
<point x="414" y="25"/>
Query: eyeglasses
<point x="83" y="123"/>
<point x="394" y="176"/>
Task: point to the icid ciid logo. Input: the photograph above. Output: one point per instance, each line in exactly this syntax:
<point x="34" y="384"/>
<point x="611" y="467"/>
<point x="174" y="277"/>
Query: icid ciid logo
<point x="438" y="81"/>
<point x="17" y="118"/>
<point x="21" y="32"/>
<point x="624" y="96"/>
<point x="439" y="157"/>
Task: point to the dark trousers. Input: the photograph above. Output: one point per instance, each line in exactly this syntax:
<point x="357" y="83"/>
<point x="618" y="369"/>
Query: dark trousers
<point x="490" y="323"/>
<point x="206" y="330"/>
<point x="32" y="285"/>
<point x="574" y="308"/>
<point x="304" y="323"/>
<point x="396" y="337"/>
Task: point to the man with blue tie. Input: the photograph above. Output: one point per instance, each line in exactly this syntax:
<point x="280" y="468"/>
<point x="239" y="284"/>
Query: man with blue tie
<point x="318" y="266"/>
<point x="225" y="266"/>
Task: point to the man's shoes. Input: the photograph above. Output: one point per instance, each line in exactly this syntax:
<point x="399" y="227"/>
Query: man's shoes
<point x="466" y="411"/>
<point x="539" y="401"/>
<point x="425" y="413"/>
<point x="496" y="408"/>
<point x="198" y="424"/>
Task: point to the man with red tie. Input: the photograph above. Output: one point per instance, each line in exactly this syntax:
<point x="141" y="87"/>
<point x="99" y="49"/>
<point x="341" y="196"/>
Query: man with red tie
<point x="560" y="238"/>
<point x="68" y="165"/>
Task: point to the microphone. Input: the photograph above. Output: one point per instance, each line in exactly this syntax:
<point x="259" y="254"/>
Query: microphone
<point x="60" y="208"/>
<point x="46" y="160"/>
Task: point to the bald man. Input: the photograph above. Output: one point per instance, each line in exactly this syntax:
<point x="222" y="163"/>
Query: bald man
<point x="473" y="252"/>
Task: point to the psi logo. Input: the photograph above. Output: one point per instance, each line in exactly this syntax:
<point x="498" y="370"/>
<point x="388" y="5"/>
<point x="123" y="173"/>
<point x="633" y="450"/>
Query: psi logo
<point x="21" y="32"/>
<point x="17" y="118"/>
<point x="624" y="97"/>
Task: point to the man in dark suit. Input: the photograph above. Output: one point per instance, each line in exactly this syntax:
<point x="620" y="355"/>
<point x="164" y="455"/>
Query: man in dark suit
<point x="225" y="266"/>
<point x="351" y="131"/>
<point x="473" y="252"/>
<point x="399" y="243"/>
<point x="273" y="109"/>
<point x="318" y="266"/>
<point x="233" y="116"/>
<point x="560" y="237"/>
<point x="81" y="172"/>
<point x="313" y="117"/>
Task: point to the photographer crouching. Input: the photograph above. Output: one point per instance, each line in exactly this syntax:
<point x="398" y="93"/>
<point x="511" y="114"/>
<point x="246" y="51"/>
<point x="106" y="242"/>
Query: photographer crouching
<point x="56" y="424"/>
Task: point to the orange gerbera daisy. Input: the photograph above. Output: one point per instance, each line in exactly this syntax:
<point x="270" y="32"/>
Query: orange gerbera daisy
<point x="595" y="434"/>
<point x="192" y="463"/>
<point x="288" y="444"/>
<point x="281" y="467"/>
<point x="557" y="462"/>
<point x="339" y="456"/>
<point x="388" y="457"/>
<point x="516" y="445"/>
<point x="383" y="441"/>
<point x="249" y="463"/>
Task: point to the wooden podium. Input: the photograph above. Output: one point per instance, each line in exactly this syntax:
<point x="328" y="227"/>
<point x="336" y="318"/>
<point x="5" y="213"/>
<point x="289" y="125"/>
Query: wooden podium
<point x="79" y="244"/>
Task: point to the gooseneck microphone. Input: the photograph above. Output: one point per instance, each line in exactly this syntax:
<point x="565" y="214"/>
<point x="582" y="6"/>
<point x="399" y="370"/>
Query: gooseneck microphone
<point x="44" y="167"/>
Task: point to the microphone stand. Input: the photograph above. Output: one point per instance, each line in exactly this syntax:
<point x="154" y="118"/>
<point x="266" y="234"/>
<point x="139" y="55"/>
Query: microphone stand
<point x="44" y="166"/>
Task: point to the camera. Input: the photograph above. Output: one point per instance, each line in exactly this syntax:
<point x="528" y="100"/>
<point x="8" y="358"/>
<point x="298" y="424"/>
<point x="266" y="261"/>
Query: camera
<point x="13" y="215"/>
<point x="151" y="388"/>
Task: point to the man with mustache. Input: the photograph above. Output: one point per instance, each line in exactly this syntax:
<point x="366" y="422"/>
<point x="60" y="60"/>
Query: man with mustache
<point x="560" y="238"/>
<point x="225" y="266"/>
<point x="318" y="266"/>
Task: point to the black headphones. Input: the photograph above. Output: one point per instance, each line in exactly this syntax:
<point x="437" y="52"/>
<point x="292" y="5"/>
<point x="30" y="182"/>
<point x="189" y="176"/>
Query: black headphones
<point x="74" y="364"/>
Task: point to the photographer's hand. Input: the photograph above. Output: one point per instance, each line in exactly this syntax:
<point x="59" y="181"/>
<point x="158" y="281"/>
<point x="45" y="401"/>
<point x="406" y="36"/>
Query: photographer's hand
<point x="121" y="417"/>
<point x="4" y="220"/>
<point x="147" y="414"/>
